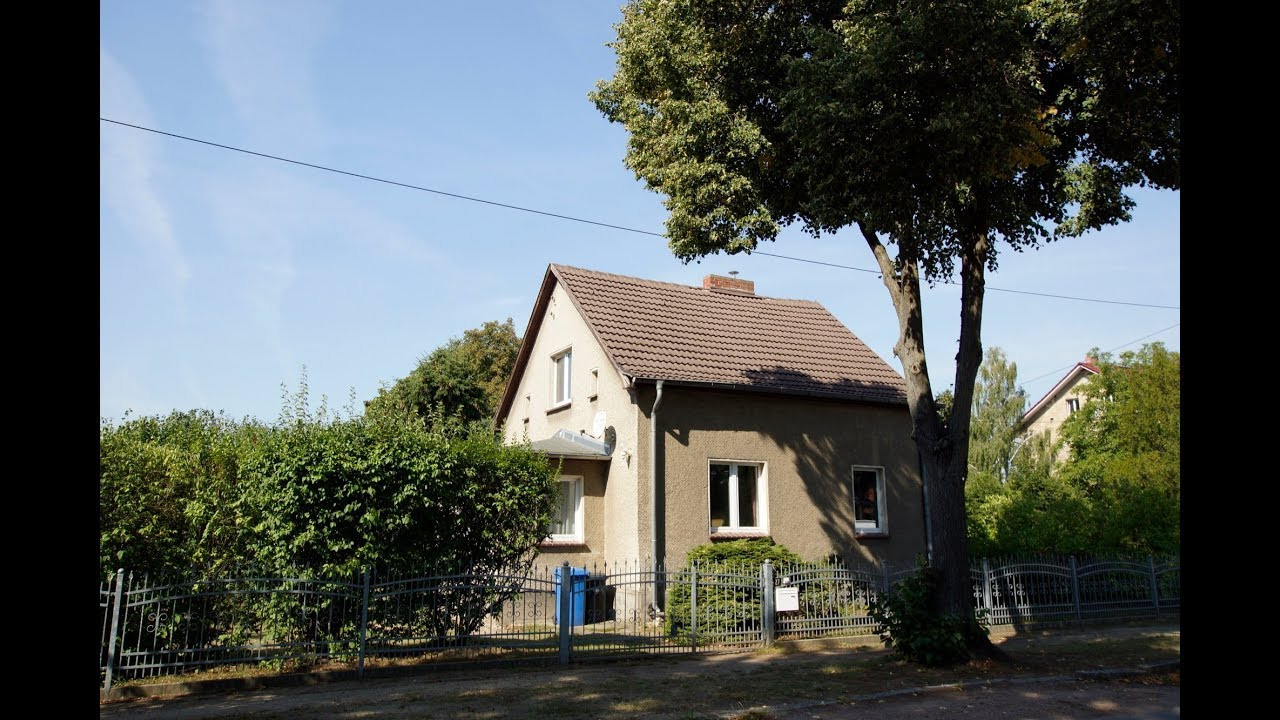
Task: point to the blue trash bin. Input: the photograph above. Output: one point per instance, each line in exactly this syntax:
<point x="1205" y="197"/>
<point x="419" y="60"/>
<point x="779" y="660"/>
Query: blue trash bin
<point x="577" y="596"/>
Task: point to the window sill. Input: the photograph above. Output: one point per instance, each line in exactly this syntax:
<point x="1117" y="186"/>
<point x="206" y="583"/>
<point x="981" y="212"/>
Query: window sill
<point x="562" y="544"/>
<point x="870" y="534"/>
<point x="738" y="534"/>
<point x="592" y="397"/>
<point x="558" y="408"/>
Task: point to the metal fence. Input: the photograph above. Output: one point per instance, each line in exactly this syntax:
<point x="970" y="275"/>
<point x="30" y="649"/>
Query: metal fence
<point x="1046" y="589"/>
<point x="152" y="627"/>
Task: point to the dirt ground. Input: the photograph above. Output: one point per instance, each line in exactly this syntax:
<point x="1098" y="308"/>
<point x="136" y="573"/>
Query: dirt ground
<point x="1038" y="701"/>
<point x="820" y="682"/>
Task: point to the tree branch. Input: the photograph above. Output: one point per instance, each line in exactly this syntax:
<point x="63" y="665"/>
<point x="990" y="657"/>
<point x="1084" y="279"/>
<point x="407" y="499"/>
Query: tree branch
<point x="902" y="279"/>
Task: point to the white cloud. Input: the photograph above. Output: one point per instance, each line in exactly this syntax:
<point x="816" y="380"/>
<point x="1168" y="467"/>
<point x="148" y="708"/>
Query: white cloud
<point x="261" y="53"/>
<point x="128" y="162"/>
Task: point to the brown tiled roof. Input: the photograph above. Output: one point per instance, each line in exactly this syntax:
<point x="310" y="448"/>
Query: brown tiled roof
<point x="656" y="330"/>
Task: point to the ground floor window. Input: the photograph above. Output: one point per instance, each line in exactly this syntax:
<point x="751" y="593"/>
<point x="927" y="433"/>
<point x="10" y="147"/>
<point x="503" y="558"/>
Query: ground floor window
<point x="566" y="523"/>
<point x="868" y="499"/>
<point x="738" y="497"/>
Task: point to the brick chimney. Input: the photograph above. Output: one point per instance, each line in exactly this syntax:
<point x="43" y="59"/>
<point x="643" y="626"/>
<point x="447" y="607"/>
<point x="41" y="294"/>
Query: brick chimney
<point x="720" y="283"/>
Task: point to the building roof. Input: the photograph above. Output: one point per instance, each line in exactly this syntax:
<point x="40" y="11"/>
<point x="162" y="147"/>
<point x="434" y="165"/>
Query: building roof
<point x="692" y="335"/>
<point x="1088" y="367"/>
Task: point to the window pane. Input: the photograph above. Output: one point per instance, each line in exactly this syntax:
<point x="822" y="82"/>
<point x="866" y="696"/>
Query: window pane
<point x="564" y="373"/>
<point x="747" y="493"/>
<point x="866" y="508"/>
<point x="568" y="507"/>
<point x="566" y="510"/>
<point x="719" y="495"/>
<point x="568" y="375"/>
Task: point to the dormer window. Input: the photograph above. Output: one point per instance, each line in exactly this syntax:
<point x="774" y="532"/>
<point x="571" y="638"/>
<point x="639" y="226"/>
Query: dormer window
<point x="562" y="376"/>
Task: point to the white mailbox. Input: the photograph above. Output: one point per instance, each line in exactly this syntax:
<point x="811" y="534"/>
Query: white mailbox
<point x="786" y="599"/>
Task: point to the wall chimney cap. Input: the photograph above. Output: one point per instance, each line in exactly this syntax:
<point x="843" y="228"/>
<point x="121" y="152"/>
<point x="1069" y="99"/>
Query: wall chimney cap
<point x="733" y="285"/>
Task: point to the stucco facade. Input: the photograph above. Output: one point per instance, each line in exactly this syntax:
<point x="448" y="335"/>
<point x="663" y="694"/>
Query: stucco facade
<point x="1067" y="396"/>
<point x="805" y="449"/>
<point x="595" y="386"/>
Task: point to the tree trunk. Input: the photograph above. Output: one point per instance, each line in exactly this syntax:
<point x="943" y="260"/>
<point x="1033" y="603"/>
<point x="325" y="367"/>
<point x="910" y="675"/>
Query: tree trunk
<point x="944" y="450"/>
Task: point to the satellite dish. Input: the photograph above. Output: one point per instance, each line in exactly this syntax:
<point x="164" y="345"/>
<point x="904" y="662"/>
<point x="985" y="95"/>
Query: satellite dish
<point x="597" y="424"/>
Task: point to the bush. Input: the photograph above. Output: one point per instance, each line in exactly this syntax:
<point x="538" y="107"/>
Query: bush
<point x="167" y="487"/>
<point x="333" y="497"/>
<point x="911" y="626"/>
<point x="728" y="588"/>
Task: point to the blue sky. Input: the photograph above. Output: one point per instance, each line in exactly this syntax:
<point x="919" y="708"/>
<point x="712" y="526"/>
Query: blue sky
<point x="222" y="274"/>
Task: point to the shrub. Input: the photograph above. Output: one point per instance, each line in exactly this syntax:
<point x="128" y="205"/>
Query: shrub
<point x="911" y="626"/>
<point x="728" y="588"/>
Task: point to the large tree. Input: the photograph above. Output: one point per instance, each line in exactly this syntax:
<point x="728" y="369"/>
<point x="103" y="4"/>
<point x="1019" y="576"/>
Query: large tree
<point x="998" y="403"/>
<point x="464" y="377"/>
<point x="942" y="130"/>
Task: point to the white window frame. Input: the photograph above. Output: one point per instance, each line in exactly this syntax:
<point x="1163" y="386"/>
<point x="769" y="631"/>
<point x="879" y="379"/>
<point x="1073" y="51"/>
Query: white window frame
<point x="762" y="494"/>
<point x="567" y="370"/>
<point x="864" y="527"/>
<point x="575" y="482"/>
<point x="1073" y="404"/>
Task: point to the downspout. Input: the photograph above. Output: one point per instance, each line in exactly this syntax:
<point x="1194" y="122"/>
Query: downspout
<point x="653" y="492"/>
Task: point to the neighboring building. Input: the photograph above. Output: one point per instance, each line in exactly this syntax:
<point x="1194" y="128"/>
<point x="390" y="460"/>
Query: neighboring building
<point x="774" y="420"/>
<point x="1063" y="399"/>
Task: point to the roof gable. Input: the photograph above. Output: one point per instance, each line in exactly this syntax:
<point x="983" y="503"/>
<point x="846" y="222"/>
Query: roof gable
<point x="1080" y="370"/>
<point x="653" y="330"/>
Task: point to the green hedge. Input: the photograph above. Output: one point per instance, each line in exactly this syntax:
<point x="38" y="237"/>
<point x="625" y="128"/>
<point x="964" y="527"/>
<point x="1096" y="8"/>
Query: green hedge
<point x="726" y="605"/>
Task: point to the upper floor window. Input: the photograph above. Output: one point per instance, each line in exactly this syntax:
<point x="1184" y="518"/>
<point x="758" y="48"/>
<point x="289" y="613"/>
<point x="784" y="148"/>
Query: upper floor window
<point x="562" y="369"/>
<point x="1073" y="404"/>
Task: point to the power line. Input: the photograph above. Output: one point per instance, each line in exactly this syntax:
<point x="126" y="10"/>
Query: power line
<point x="583" y="220"/>
<point x="1068" y="367"/>
<point x="378" y="179"/>
<point x="988" y="287"/>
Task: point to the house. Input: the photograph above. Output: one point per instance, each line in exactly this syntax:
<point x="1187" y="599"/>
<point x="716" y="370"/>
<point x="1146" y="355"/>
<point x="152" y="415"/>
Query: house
<point x="687" y="414"/>
<point x="1064" y="398"/>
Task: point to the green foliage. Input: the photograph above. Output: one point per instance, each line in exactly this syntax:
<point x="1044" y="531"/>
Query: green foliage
<point x="1126" y="450"/>
<point x="1119" y="491"/>
<point x="948" y="129"/>
<point x="945" y="403"/>
<point x="747" y="551"/>
<point x="997" y="411"/>
<point x="316" y="496"/>
<point x="1133" y="406"/>
<point x="390" y="492"/>
<point x="923" y="120"/>
<point x="724" y="606"/>
<point x="167" y="487"/>
<point x="465" y="377"/>
<point x="999" y="462"/>
<point x="912" y="627"/>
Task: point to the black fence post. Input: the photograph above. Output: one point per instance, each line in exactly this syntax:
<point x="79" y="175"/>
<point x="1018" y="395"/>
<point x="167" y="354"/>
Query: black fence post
<point x="1075" y="590"/>
<point x="693" y="604"/>
<point x="364" y="624"/>
<point x="1155" y="586"/>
